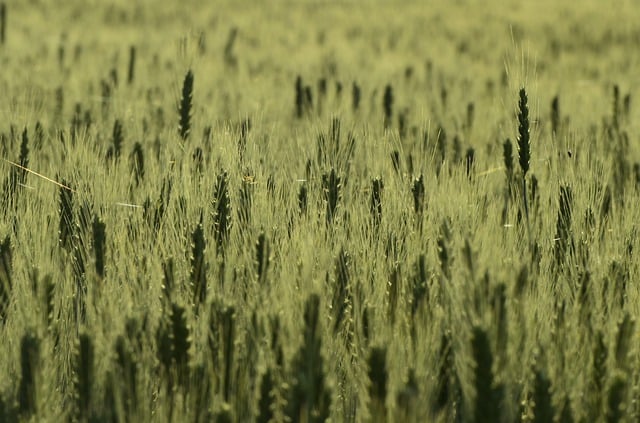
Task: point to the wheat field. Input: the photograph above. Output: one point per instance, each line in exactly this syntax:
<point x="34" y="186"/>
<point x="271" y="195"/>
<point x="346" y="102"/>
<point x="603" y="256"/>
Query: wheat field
<point x="373" y="211"/>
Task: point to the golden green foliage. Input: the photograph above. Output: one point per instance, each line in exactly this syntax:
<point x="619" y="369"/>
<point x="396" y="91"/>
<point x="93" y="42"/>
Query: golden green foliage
<point x="330" y="222"/>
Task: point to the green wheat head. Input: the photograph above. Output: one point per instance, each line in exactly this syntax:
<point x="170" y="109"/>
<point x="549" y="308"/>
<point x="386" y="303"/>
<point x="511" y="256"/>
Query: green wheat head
<point x="309" y="396"/>
<point x="84" y="377"/>
<point x="30" y="369"/>
<point x="616" y="398"/>
<point x="543" y="410"/>
<point x="331" y="187"/>
<point x="555" y="116"/>
<point x="342" y="288"/>
<point x="221" y="211"/>
<point x="66" y="228"/>
<point x="199" y="265"/>
<point x="488" y="398"/>
<point x="356" y="95"/>
<point x="6" y="277"/>
<point x="524" y="147"/>
<point x="263" y="259"/>
<point x="137" y="163"/>
<point x="132" y="64"/>
<point x="3" y="23"/>
<point x="99" y="245"/>
<point x="387" y="106"/>
<point x="375" y="207"/>
<point x="184" y="109"/>
<point x="378" y="382"/>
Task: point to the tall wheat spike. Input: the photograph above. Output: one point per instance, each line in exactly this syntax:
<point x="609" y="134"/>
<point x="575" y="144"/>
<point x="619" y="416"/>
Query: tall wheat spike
<point x="81" y="286"/>
<point x="444" y="95"/>
<point x="555" y="116"/>
<point x="417" y="189"/>
<point x="228" y="322"/>
<point x="49" y="291"/>
<point x="469" y="159"/>
<point x="441" y="145"/>
<point x="624" y="340"/>
<point x="181" y="343"/>
<point x="387" y="105"/>
<point x="471" y="111"/>
<point x="309" y="396"/>
<point x="84" y="377"/>
<point x="118" y="139"/>
<point x="407" y="399"/>
<point x="59" y="104"/>
<point x="376" y="201"/>
<point x="6" y="277"/>
<point x="419" y="285"/>
<point x="113" y="75"/>
<point x="127" y="375"/>
<point x="308" y="99"/>
<point x="402" y="123"/>
<point x="110" y="411"/>
<point x="200" y="392"/>
<point x="164" y="348"/>
<point x="221" y="342"/>
<point x="132" y="64"/>
<point x="395" y="161"/>
<point x="184" y="109"/>
<point x="322" y="93"/>
<point x="24" y="156"/>
<point x="448" y="394"/>
<point x="331" y="186"/>
<point x="137" y="163"/>
<point x="524" y="150"/>
<point x="168" y="282"/>
<point x="342" y="288"/>
<point x="3" y="23"/>
<point x="356" y="95"/>
<point x="99" y="245"/>
<point x="198" y="265"/>
<point x="154" y="212"/>
<point x="30" y="369"/>
<point x="229" y="58"/>
<point x="616" y="398"/>
<point x="245" y="127"/>
<point x="67" y="223"/>
<point x="626" y="106"/>
<point x="598" y="375"/>
<point x="8" y="412"/>
<point x="105" y="93"/>
<point x="487" y="401"/>
<point x="543" y="407"/>
<point x="173" y="342"/>
<point x="225" y="415"/>
<point x="263" y="259"/>
<point x="616" y="107"/>
<point x="18" y="174"/>
<point x="378" y="383"/>
<point x="299" y="97"/>
<point x="443" y="240"/>
<point x="457" y="149"/>
<point x="303" y="199"/>
<point x="38" y="138"/>
<point x="198" y="160"/>
<point x="265" y="402"/>
<point x="221" y="212"/>
<point x="469" y="257"/>
<point x="566" y="414"/>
